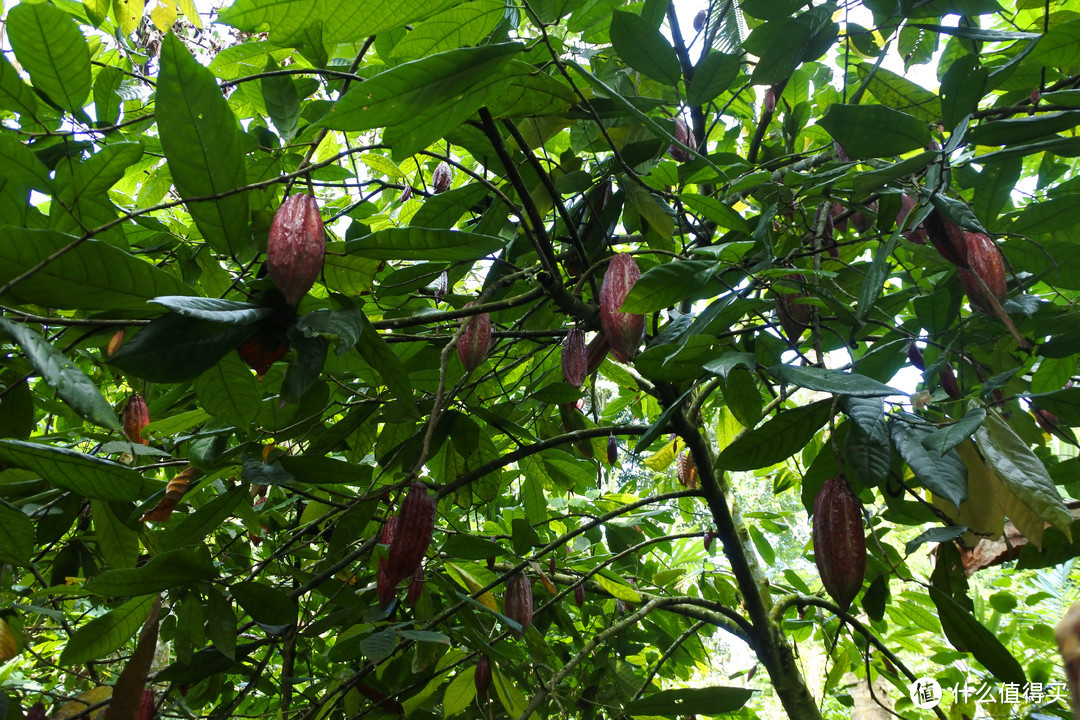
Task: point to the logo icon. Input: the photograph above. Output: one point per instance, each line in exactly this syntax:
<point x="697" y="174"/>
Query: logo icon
<point x="925" y="693"/>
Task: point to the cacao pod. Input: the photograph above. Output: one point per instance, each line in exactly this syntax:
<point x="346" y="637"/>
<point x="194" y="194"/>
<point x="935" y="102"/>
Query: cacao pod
<point x="1047" y="420"/>
<point x="384" y="588"/>
<point x="406" y="194"/>
<point x="574" y="360"/>
<point x="36" y="711"/>
<point x="769" y="103"/>
<point x="441" y="178"/>
<point x="579" y="595"/>
<point x="114" y="343"/>
<point x="482" y="676"/>
<point x="687" y="471"/>
<point x="623" y="330"/>
<point x="862" y="221"/>
<point x="416" y="586"/>
<point x="682" y="134"/>
<point x="573" y="420"/>
<point x="260" y="351"/>
<point x="836" y="210"/>
<point x="136" y="417"/>
<point x="794" y="316"/>
<point x="949" y="383"/>
<point x="296" y="246"/>
<point x="699" y="20"/>
<point x="915" y="357"/>
<point x="839" y="543"/>
<point x="947" y="237"/>
<point x="146" y="705"/>
<point x="595" y="352"/>
<point x="828" y="238"/>
<point x="709" y="537"/>
<point x="442" y="283"/>
<point x="841" y="154"/>
<point x="612" y="450"/>
<point x="916" y="234"/>
<point x="518" y="603"/>
<point x="415" y="525"/>
<point x="985" y="260"/>
<point x="8" y="646"/>
<point x="475" y="340"/>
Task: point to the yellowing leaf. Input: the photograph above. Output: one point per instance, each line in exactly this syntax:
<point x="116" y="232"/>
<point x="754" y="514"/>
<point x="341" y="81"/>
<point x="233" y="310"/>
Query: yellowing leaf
<point x="618" y="590"/>
<point x="663" y="457"/>
<point x="81" y="702"/>
<point x="7" y="642"/>
<point x="163" y="15"/>
<point x="471" y="583"/>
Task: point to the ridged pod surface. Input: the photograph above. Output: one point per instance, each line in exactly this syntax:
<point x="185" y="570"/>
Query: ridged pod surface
<point x="518" y="603"/>
<point x="146" y="705"/>
<point x="947" y="237"/>
<point x="475" y="341"/>
<point x="839" y="542"/>
<point x="482" y="676"/>
<point x="441" y="178"/>
<point x="136" y="417"/>
<point x="985" y="260"/>
<point x="579" y="595"/>
<point x="296" y="246"/>
<point x="383" y="587"/>
<point x="687" y="471"/>
<point x="794" y="316"/>
<point x="574" y="360"/>
<point x="623" y="330"/>
<point x="416" y="523"/>
<point x="682" y="134"/>
<point x="595" y="352"/>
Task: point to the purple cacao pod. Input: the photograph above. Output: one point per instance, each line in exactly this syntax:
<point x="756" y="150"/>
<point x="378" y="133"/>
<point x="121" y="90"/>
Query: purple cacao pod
<point x="612" y="450"/>
<point x="146" y="705"/>
<point x="574" y="360"/>
<point x="441" y="179"/>
<point x="623" y="330"/>
<point x="839" y="543"/>
<point x="518" y="603"/>
<point x="416" y="523"/>
<point x="136" y="417"/>
<point x="595" y="352"/>
<point x="482" y="677"/>
<point x="579" y="595"/>
<point x="475" y="341"/>
<point x="699" y="20"/>
<point x="682" y="134"/>
<point x="296" y="246"/>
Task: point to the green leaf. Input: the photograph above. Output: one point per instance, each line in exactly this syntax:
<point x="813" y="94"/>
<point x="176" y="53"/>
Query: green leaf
<point x="742" y="396"/>
<point x="282" y="102"/>
<point x="1060" y="213"/>
<point x="221" y="623"/>
<point x="994" y="187"/>
<point x="961" y="89"/>
<point x="943" y="440"/>
<point x="174" y="348"/>
<point x="643" y="47"/>
<point x="1014" y="131"/>
<point x="118" y="543"/>
<point x="868" y="131"/>
<point x="266" y="605"/>
<point x="84" y="474"/>
<point x="20" y="164"/>
<point x="15" y="95"/>
<point x="229" y="392"/>
<point x="175" y="568"/>
<point x="414" y="243"/>
<point x="208" y="518"/>
<point x="201" y="140"/>
<point x="969" y="635"/>
<point x="708" y="701"/>
<point x="71" y="383"/>
<point x="530" y="93"/>
<point x="106" y="634"/>
<point x="92" y="275"/>
<point x="16" y="536"/>
<point x="944" y="475"/>
<point x="778" y="439"/>
<point x="721" y="214"/>
<point x="898" y="93"/>
<point x="671" y="283"/>
<point x="460" y="692"/>
<point x="217" y="310"/>
<point x="728" y="361"/>
<point x="1059" y="47"/>
<point x="832" y="381"/>
<point x="456" y="27"/>
<point x="49" y="45"/>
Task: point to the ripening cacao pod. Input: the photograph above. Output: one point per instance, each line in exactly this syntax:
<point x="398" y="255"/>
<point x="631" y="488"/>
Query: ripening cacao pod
<point x="612" y="450"/>
<point x="595" y="352"/>
<point x="574" y="360"/>
<point x="518" y="603"/>
<point x="699" y="20"/>
<point x="839" y="543"/>
<point x="136" y="417"/>
<point x="985" y="260"/>
<point x="482" y="676"/>
<point x="146" y="705"/>
<point x="687" y="471"/>
<point x="623" y="330"/>
<point x="682" y="134"/>
<point x="915" y="357"/>
<point x="794" y="316"/>
<point x="475" y="341"/>
<point x="260" y="351"/>
<point x="114" y="343"/>
<point x="441" y="179"/>
<point x="296" y="246"/>
<point x="947" y="237"/>
<point x="416" y="586"/>
<point x="579" y="595"/>
<point x="949" y="383"/>
<point x="916" y="234"/>
<point x="416" y="523"/>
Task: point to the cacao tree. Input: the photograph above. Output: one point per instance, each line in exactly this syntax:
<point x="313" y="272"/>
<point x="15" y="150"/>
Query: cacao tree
<point x="489" y="359"/>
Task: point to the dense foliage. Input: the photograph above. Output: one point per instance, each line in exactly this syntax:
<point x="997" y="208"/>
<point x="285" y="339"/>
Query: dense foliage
<point x="202" y="443"/>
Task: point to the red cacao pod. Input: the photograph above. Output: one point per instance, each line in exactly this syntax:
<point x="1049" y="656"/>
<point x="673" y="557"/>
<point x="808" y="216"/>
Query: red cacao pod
<point x="146" y="705"/>
<point x="839" y="543"/>
<point x="416" y="586"/>
<point x="416" y="523"/>
<point x="475" y="341"/>
<point x="518" y="603"/>
<point x="794" y="316"/>
<point x="441" y="178"/>
<point x="949" y="383"/>
<point x="296" y="246"/>
<point x="682" y="134"/>
<point x="947" y="237"/>
<point x="482" y="676"/>
<point x="579" y="595"/>
<point x="136" y="417"/>
<point x="687" y="471"/>
<point x="595" y="352"/>
<point x="700" y="19"/>
<point x="709" y="537"/>
<point x="612" y="450"/>
<point x="260" y="351"/>
<point x="574" y="360"/>
<point x="986" y="261"/>
<point x="623" y="330"/>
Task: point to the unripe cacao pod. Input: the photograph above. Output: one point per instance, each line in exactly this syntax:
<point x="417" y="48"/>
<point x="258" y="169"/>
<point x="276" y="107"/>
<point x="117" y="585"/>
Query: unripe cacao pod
<point x="475" y="341"/>
<point x="682" y="134"/>
<point x="794" y="316"/>
<point x="579" y="595"/>
<point x="441" y="179"/>
<point x="518" y="603"/>
<point x="623" y="330"/>
<point x="574" y="360"/>
<point x="260" y="351"/>
<point x="595" y="352"/>
<point x="687" y="471"/>
<point x="416" y="523"/>
<point x="136" y="417"/>
<point x="949" y="383"/>
<point x="146" y="705"/>
<point x="985" y="260"/>
<point x="612" y="450"/>
<point x="839" y="543"/>
<point x="699" y="20"/>
<point x="296" y="246"/>
<point x="482" y="676"/>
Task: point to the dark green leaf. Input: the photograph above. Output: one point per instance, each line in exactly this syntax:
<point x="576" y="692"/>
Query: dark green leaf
<point x="16" y="536"/>
<point x="414" y="243"/>
<point x="868" y="131"/>
<point x="778" y="439"/>
<point x="175" y="348"/>
<point x="643" y="47"/>
<point x="712" y="77"/>
<point x="944" y="475"/>
<point x="196" y="526"/>
<point x="707" y="701"/>
<point x="266" y="605"/>
<point x="84" y="474"/>
<point x="837" y="382"/>
<point x="174" y="568"/>
<point x="969" y="635"/>
<point x="221" y="311"/>
<point x="49" y="46"/>
<point x="108" y="633"/>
